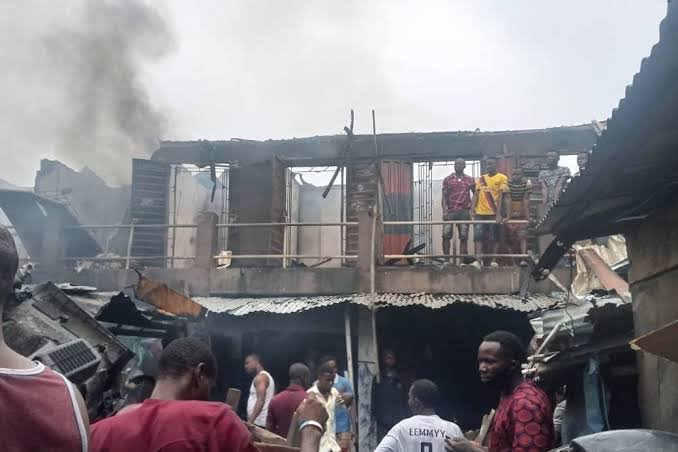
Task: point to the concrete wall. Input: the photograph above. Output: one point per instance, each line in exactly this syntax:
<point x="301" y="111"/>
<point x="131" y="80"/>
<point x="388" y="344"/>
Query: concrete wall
<point x="317" y="240"/>
<point x="653" y="277"/>
<point x="251" y="201"/>
<point x="311" y="281"/>
<point x="193" y="197"/>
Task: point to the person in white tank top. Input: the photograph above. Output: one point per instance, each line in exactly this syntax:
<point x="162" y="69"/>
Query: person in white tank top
<point x="425" y="431"/>
<point x="262" y="390"/>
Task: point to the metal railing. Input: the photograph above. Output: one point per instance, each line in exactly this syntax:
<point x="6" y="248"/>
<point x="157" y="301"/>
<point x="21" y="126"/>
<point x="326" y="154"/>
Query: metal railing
<point x="284" y="256"/>
<point x="128" y="258"/>
<point x="452" y="256"/>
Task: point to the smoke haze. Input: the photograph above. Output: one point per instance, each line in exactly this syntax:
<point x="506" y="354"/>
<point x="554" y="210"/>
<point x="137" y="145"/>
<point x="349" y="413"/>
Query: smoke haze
<point x="73" y="82"/>
<point x="96" y="83"/>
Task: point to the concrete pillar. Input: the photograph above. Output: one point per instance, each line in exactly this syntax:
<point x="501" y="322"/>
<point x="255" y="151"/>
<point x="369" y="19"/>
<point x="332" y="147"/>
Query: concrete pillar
<point x="206" y="240"/>
<point x="367" y="371"/>
<point x="53" y="245"/>
<point x="364" y="240"/>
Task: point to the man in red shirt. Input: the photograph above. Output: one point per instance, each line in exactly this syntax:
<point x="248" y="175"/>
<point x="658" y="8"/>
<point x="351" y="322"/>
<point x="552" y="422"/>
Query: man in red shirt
<point x="177" y="416"/>
<point x="282" y="406"/>
<point x="523" y="420"/>
<point x="42" y="410"/>
<point x="457" y="188"/>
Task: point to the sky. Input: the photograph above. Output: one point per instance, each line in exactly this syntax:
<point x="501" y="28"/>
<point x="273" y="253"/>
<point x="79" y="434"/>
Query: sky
<point x="272" y="69"/>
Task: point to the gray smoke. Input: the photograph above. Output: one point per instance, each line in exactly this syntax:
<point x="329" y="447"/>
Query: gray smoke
<point x="73" y="82"/>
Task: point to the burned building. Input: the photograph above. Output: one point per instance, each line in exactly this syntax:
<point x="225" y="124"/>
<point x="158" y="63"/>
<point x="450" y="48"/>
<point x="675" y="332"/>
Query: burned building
<point x="294" y="270"/>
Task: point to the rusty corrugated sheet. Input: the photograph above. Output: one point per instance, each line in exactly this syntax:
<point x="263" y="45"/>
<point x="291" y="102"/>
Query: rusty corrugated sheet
<point x="290" y="305"/>
<point x="161" y="296"/>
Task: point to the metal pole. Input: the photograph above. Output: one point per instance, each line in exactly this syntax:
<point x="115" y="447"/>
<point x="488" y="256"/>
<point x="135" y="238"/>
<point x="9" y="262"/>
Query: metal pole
<point x="285" y="243"/>
<point x="129" y="245"/>
<point x="174" y="214"/>
<point x="342" y="229"/>
<point x="373" y="295"/>
<point x="349" y="343"/>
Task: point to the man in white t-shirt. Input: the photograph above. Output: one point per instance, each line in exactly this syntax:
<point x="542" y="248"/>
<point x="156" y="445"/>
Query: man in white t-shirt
<point x="425" y="431"/>
<point x="325" y="392"/>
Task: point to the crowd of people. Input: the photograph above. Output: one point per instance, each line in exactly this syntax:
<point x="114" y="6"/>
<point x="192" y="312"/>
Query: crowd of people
<point x="502" y="202"/>
<point x="44" y="411"/>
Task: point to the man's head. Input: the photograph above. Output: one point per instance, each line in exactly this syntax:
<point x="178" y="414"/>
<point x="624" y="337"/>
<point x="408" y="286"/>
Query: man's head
<point x="188" y="364"/>
<point x="423" y="396"/>
<point x="459" y="166"/>
<point x="491" y="165"/>
<point x="582" y="160"/>
<point x="300" y="375"/>
<point x="325" y="378"/>
<point x="331" y="361"/>
<point x="552" y="158"/>
<point x="9" y="262"/>
<point x="499" y="357"/>
<point x="388" y="359"/>
<point x="252" y="364"/>
<point x="517" y="174"/>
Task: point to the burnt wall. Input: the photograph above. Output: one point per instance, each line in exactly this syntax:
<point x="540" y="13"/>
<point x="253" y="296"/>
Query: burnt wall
<point x="257" y="195"/>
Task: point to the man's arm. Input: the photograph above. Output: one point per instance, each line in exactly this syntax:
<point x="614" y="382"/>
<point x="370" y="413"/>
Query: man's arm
<point x="346" y="392"/>
<point x="474" y="202"/>
<point x="270" y="419"/>
<point x="260" y="385"/>
<point x="462" y="445"/>
<point x="562" y="181"/>
<point x="526" y="201"/>
<point x="504" y="202"/>
<point x="311" y="409"/>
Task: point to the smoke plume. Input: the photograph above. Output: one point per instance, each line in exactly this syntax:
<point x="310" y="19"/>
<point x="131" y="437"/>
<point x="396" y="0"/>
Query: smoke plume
<point x="73" y="81"/>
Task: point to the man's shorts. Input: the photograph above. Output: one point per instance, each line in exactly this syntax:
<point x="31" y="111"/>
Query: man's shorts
<point x="516" y="231"/>
<point x="461" y="228"/>
<point x="486" y="231"/>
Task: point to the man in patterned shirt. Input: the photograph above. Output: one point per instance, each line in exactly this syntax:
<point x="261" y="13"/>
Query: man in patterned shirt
<point x="457" y="189"/>
<point x="552" y="180"/>
<point x="523" y="421"/>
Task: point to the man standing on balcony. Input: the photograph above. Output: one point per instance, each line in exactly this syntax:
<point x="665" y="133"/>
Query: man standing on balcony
<point x="553" y="180"/>
<point x="517" y="207"/>
<point x="457" y="189"/>
<point x="487" y="207"/>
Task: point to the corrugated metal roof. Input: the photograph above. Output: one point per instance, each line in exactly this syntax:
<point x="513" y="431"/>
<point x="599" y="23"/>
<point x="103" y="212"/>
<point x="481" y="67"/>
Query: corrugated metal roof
<point x="274" y="305"/>
<point x="289" y="305"/>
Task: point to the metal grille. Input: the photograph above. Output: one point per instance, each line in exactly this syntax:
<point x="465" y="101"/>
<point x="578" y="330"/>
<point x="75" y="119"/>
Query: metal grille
<point x="423" y="208"/>
<point x="425" y="173"/>
<point x="72" y="357"/>
<point x="150" y="184"/>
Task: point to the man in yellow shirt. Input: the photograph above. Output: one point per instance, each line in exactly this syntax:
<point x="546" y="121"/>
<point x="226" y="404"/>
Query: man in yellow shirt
<point x="486" y="205"/>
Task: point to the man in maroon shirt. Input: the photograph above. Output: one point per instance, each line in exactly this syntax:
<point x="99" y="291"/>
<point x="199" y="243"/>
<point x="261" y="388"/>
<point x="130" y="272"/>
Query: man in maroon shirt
<point x="457" y="188"/>
<point x="523" y="420"/>
<point x="177" y="416"/>
<point x="41" y="410"/>
<point x="282" y="406"/>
